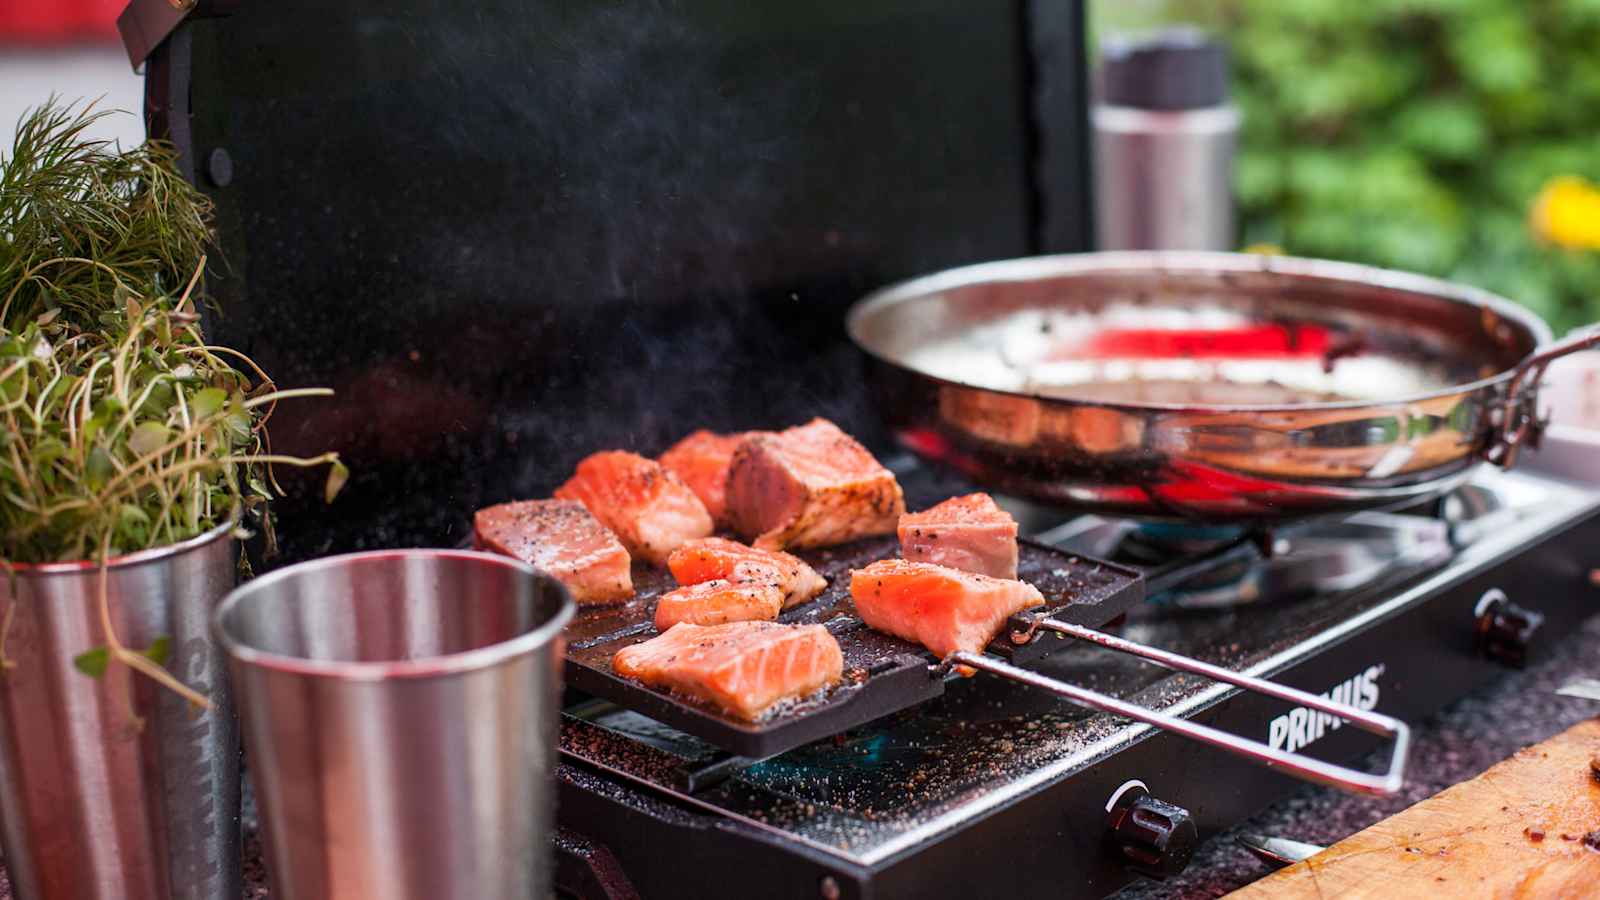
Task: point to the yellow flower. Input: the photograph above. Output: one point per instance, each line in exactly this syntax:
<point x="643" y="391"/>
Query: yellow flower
<point x="1567" y="213"/>
<point x="1265" y="249"/>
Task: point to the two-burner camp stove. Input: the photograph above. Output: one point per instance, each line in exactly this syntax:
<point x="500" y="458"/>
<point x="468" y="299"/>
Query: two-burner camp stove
<point x="993" y="788"/>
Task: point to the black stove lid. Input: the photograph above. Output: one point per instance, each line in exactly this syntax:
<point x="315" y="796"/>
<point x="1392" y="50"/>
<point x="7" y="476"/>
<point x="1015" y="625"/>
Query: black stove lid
<point x="508" y="234"/>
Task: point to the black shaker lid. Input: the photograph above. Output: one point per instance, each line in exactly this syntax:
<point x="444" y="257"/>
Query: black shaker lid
<point x="1179" y="68"/>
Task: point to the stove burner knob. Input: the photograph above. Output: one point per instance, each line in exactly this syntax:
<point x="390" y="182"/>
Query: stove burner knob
<point x="1504" y="629"/>
<point x="1152" y="836"/>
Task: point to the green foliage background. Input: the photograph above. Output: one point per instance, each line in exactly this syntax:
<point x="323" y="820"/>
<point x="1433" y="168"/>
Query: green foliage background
<point x="1412" y="134"/>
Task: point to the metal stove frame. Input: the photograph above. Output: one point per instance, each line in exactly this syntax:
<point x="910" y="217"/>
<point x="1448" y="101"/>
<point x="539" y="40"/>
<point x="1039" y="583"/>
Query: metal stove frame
<point x="1046" y="834"/>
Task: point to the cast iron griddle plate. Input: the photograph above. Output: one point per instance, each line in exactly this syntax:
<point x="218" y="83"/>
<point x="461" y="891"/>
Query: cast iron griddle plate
<point x="882" y="674"/>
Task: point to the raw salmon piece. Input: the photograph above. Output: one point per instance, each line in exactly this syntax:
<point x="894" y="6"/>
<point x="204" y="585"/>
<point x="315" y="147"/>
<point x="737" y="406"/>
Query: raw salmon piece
<point x="559" y="537"/>
<point x="701" y="460"/>
<point x="720" y="600"/>
<point x="810" y="486"/>
<point x="744" y="668"/>
<point x="715" y="557"/>
<point x="940" y="608"/>
<point x="648" y="508"/>
<point x="970" y="533"/>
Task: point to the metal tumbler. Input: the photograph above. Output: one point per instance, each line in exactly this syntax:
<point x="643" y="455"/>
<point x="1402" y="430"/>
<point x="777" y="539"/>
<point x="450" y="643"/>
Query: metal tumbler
<point x="96" y="804"/>
<point x="399" y="711"/>
<point x="1164" y="137"/>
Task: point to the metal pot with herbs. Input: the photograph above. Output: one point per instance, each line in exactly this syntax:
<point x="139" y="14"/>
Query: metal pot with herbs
<point x="134" y="455"/>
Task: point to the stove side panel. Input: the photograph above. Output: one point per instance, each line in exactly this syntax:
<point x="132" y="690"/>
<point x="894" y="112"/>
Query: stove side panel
<point x="664" y="850"/>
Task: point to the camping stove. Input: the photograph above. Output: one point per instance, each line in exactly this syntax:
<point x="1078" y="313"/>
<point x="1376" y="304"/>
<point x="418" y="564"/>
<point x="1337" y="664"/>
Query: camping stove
<point x="997" y="789"/>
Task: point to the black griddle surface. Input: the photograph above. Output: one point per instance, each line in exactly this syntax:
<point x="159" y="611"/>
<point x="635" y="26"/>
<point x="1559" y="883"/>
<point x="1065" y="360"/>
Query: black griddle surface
<point x="883" y="674"/>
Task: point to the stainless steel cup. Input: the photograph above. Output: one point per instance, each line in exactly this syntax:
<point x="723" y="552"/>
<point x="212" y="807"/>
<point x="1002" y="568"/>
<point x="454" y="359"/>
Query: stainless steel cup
<point x="1164" y="135"/>
<point x="399" y="711"/>
<point x="94" y="806"/>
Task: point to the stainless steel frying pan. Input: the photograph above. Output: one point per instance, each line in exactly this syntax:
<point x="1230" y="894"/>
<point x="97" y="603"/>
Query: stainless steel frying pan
<point x="1218" y="386"/>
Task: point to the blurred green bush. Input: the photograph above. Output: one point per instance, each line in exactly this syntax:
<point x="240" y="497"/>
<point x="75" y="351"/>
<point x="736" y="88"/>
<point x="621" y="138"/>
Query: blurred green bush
<point x="1413" y="134"/>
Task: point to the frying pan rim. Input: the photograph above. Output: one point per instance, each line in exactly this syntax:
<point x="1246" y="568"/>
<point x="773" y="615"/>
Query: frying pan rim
<point x="1198" y="261"/>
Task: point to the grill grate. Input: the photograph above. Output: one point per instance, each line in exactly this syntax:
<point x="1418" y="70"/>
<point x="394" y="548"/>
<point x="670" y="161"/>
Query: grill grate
<point x="883" y="674"/>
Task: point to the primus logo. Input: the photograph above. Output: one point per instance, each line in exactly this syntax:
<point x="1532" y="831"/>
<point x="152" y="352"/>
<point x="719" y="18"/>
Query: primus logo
<point x="1300" y="726"/>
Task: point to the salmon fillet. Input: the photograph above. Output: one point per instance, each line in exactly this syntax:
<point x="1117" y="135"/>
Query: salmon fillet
<point x="970" y="533"/>
<point x="720" y="600"/>
<point x="561" y="538"/>
<point x="701" y="461"/>
<point x="810" y="486"/>
<point x="743" y="668"/>
<point x="940" y="608"/>
<point x="713" y="557"/>
<point x="648" y="508"/>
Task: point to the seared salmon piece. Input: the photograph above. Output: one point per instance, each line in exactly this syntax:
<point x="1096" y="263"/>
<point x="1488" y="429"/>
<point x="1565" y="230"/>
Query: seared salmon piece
<point x="940" y="608"/>
<point x="649" y="509"/>
<point x="810" y="486"/>
<point x="701" y="460"/>
<point x="714" y="557"/>
<point x="559" y="537"/>
<point x="720" y="600"/>
<point x="970" y="533"/>
<point x="743" y="668"/>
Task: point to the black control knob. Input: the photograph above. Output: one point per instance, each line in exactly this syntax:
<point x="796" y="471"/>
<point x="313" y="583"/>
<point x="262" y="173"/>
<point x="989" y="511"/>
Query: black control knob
<point x="1505" y="630"/>
<point x="1152" y="836"/>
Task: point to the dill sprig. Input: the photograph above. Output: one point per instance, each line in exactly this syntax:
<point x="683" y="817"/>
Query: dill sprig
<point x="80" y="216"/>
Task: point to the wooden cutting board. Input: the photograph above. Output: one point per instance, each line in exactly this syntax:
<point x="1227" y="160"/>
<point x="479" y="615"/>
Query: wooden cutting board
<point x="1518" y="830"/>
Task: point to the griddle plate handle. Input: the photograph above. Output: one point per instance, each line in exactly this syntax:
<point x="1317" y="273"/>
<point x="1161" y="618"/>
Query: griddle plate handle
<point x="1382" y="784"/>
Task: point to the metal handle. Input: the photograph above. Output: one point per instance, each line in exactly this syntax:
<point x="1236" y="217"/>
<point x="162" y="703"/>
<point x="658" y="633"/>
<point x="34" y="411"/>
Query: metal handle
<point x="1278" y="852"/>
<point x="1386" y="783"/>
<point x="144" y="24"/>
<point x="1519" y="420"/>
<point x="586" y="868"/>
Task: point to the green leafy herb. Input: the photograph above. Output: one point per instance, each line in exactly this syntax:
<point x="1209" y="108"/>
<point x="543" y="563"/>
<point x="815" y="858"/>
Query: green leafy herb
<point x="121" y="428"/>
<point x="208" y="402"/>
<point x="337" y="476"/>
<point x="159" y="650"/>
<point x="119" y="419"/>
<point x="92" y="662"/>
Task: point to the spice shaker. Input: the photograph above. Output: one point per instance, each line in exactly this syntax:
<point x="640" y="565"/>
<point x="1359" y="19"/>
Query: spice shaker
<point x="1164" y="136"/>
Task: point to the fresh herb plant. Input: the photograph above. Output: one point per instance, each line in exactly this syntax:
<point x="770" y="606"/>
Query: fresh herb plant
<point x="124" y="429"/>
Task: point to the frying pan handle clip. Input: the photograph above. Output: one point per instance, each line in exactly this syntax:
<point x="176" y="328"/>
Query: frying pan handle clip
<point x="1519" y="423"/>
<point x="1386" y="783"/>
